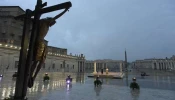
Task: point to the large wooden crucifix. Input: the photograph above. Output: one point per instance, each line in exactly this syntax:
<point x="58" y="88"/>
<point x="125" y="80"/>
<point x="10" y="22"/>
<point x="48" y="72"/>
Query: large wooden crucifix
<point x="34" y="57"/>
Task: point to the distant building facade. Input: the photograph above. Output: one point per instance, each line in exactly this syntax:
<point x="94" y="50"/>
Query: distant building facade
<point x="157" y="64"/>
<point x="10" y="29"/>
<point x="9" y="58"/>
<point x="112" y="65"/>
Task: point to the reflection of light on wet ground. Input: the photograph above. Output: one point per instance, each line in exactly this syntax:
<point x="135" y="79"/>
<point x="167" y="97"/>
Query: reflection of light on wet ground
<point x="97" y="90"/>
<point x="7" y="85"/>
<point x="3" y="92"/>
<point x="135" y="94"/>
<point x="108" y="92"/>
<point x="81" y="84"/>
<point x="68" y="87"/>
<point x="13" y="90"/>
<point x="157" y="81"/>
<point x="39" y="86"/>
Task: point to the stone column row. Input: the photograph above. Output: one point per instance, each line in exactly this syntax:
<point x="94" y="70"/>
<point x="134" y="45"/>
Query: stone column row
<point x="163" y="65"/>
<point x="81" y="66"/>
<point x="100" y="65"/>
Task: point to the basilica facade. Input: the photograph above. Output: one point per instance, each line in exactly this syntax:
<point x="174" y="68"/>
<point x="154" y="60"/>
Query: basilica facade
<point x="60" y="62"/>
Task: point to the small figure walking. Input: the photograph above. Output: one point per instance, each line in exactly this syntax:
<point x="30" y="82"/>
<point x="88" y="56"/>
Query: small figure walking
<point x="102" y="71"/>
<point x="97" y="82"/>
<point x="134" y="85"/>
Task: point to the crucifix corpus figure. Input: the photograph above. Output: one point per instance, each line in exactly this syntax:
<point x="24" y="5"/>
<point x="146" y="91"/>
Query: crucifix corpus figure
<point x="40" y="50"/>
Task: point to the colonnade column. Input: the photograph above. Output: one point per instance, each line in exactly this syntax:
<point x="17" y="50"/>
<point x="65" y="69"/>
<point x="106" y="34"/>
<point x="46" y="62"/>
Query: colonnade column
<point x="83" y="66"/>
<point x="78" y="66"/>
<point x="95" y="70"/>
<point x="152" y="65"/>
<point x="102" y="65"/>
<point x="157" y="65"/>
<point x="167" y="65"/>
<point x="164" y="65"/>
<point x="171" y="64"/>
<point x="121" y="67"/>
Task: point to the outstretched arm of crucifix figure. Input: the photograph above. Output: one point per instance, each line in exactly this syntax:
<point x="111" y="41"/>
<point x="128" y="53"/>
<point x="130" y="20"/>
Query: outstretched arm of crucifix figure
<point x="59" y="15"/>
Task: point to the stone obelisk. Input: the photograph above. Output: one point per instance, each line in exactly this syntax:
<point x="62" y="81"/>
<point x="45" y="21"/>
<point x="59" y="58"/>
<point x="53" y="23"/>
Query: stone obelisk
<point x="126" y="67"/>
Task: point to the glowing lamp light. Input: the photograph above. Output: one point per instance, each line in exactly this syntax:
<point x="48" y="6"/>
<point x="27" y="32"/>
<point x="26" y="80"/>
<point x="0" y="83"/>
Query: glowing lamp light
<point x="15" y="47"/>
<point x="6" y="45"/>
<point x="68" y="87"/>
<point x="68" y="81"/>
<point x="1" y="75"/>
<point x="11" y="46"/>
<point x="0" y="44"/>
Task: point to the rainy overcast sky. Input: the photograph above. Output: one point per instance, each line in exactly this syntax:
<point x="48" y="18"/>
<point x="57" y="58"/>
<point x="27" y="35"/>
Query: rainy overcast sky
<point x="102" y="29"/>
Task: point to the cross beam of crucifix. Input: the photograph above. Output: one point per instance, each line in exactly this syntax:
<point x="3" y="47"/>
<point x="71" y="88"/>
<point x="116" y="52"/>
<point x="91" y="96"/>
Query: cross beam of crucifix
<point x="49" y="9"/>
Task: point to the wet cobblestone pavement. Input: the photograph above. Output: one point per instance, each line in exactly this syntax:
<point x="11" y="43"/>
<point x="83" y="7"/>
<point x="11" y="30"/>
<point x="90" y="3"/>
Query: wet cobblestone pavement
<point x="108" y="92"/>
<point x="157" y="86"/>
